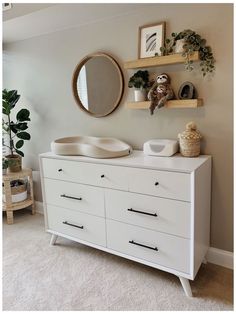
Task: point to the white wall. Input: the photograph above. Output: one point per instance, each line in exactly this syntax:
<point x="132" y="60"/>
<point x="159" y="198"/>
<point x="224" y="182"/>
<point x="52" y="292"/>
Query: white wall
<point x="41" y="70"/>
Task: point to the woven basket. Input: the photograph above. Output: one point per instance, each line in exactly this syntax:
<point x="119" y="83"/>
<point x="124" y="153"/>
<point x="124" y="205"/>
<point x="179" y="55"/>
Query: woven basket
<point x="189" y="141"/>
<point x="15" y="162"/>
<point x="18" y="189"/>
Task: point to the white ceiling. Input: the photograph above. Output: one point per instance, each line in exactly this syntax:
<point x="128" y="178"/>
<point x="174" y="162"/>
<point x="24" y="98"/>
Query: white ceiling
<point x="30" y="20"/>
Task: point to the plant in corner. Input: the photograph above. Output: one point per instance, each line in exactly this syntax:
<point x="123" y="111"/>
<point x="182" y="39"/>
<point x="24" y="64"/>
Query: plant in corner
<point x="139" y="81"/>
<point x="14" y="131"/>
<point x="192" y="42"/>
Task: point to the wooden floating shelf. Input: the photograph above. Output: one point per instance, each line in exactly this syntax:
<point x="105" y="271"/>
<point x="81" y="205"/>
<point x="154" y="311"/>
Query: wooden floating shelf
<point x="159" y="61"/>
<point x="171" y="104"/>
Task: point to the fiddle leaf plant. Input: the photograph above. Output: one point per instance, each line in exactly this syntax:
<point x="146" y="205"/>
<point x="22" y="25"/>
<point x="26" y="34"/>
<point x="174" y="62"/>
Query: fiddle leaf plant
<point x="139" y="80"/>
<point x="192" y="42"/>
<point x="14" y="130"/>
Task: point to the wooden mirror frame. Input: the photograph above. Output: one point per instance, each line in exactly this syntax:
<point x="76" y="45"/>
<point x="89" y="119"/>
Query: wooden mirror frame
<point x="75" y="77"/>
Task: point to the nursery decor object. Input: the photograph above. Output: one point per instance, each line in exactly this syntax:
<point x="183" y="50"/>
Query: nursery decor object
<point x="160" y="147"/>
<point x="98" y="84"/>
<point x="189" y="141"/>
<point x="15" y="131"/>
<point x="160" y="92"/>
<point x="151" y="38"/>
<point x="139" y="81"/>
<point x="187" y="91"/>
<point x="15" y="194"/>
<point x="90" y="146"/>
<point x="187" y="42"/>
<point x="179" y="46"/>
<point x="18" y="191"/>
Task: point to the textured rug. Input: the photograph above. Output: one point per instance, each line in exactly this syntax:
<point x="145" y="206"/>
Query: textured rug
<point x="71" y="276"/>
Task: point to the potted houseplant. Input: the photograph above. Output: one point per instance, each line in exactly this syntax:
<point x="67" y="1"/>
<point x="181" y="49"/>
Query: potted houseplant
<point x="14" y="131"/>
<point x="139" y="81"/>
<point x="186" y="42"/>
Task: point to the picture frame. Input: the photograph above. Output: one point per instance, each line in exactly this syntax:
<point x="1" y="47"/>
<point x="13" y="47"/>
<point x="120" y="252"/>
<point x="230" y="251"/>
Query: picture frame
<point x="151" y="38"/>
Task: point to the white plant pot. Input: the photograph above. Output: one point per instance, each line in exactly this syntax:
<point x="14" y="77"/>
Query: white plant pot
<point x="139" y="95"/>
<point x="179" y="46"/>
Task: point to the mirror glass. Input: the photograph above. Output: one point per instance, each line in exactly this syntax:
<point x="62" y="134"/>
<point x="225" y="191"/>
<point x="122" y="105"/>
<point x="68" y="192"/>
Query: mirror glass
<point x="98" y="84"/>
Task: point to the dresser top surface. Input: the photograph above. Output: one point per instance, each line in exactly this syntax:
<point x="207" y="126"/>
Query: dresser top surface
<point x="138" y="160"/>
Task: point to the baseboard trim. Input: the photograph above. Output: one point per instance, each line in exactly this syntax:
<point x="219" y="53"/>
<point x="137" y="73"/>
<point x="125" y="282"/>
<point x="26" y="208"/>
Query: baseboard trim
<point x="214" y="255"/>
<point x="220" y="257"/>
<point x="39" y="207"/>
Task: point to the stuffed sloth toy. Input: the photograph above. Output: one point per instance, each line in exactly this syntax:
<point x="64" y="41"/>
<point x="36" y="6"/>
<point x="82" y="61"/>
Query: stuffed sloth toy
<point x="160" y="92"/>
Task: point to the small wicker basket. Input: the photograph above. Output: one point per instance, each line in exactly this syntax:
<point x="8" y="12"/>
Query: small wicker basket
<point x="18" y="189"/>
<point x="189" y="141"/>
<point x="18" y="192"/>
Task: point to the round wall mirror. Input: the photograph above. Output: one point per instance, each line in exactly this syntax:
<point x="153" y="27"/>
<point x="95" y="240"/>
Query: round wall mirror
<point x="98" y="84"/>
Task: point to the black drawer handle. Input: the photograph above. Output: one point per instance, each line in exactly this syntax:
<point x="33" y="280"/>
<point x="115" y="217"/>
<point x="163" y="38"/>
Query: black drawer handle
<point x="103" y="176"/>
<point x="146" y="246"/>
<point x="156" y="183"/>
<point x="72" y="197"/>
<point x="67" y="223"/>
<point x="140" y="212"/>
<point x="59" y="170"/>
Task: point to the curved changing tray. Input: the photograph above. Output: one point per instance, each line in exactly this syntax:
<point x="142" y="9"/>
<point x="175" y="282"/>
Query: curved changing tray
<point x="96" y="147"/>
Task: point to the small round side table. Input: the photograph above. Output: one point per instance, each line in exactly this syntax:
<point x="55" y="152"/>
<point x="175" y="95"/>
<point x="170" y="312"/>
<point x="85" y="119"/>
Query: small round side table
<point x="10" y="207"/>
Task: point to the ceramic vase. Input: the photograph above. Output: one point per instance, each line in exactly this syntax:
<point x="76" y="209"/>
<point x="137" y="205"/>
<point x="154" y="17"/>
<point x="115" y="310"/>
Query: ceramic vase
<point x="139" y="95"/>
<point x="179" y="46"/>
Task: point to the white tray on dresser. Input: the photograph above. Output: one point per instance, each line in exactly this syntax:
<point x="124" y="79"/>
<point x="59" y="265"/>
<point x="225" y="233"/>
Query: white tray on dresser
<point x="152" y="210"/>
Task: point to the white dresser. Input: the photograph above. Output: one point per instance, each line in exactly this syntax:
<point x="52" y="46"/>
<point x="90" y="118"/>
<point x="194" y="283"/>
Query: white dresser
<point x="153" y="210"/>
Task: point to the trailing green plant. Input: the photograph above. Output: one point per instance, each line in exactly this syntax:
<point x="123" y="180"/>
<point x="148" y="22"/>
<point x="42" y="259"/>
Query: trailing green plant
<point x="15" y="130"/>
<point x="193" y="42"/>
<point x="169" y="47"/>
<point x="139" y="80"/>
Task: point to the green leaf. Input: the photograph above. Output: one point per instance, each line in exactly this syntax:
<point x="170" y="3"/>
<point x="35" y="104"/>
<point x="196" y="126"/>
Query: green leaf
<point x="21" y="126"/>
<point x="6" y="108"/>
<point x="23" y="115"/>
<point x="11" y="97"/>
<point x="13" y="128"/>
<point x="19" y="144"/>
<point x="23" y="135"/>
<point x="19" y="152"/>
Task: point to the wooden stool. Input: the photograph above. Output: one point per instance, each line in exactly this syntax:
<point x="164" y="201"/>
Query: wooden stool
<point x="8" y="206"/>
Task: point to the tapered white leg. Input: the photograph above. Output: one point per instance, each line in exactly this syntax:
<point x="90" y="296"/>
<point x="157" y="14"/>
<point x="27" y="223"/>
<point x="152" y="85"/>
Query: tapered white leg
<point x="53" y="239"/>
<point x="186" y="286"/>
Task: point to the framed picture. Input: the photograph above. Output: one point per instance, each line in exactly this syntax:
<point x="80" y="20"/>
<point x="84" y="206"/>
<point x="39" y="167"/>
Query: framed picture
<point x="151" y="38"/>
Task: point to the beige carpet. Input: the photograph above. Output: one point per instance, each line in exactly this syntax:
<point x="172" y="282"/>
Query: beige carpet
<point x="70" y="276"/>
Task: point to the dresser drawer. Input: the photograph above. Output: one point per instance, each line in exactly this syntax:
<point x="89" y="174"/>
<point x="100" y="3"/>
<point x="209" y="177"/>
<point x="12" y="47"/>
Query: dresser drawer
<point x="75" y="196"/>
<point x="78" y="225"/>
<point x="162" y="249"/>
<point x="87" y="173"/>
<point x="173" y="185"/>
<point x="150" y="212"/>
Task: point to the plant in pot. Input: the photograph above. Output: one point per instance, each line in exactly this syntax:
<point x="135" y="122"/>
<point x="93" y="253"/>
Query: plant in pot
<point x="186" y="42"/>
<point x="139" y="81"/>
<point x="14" y="131"/>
